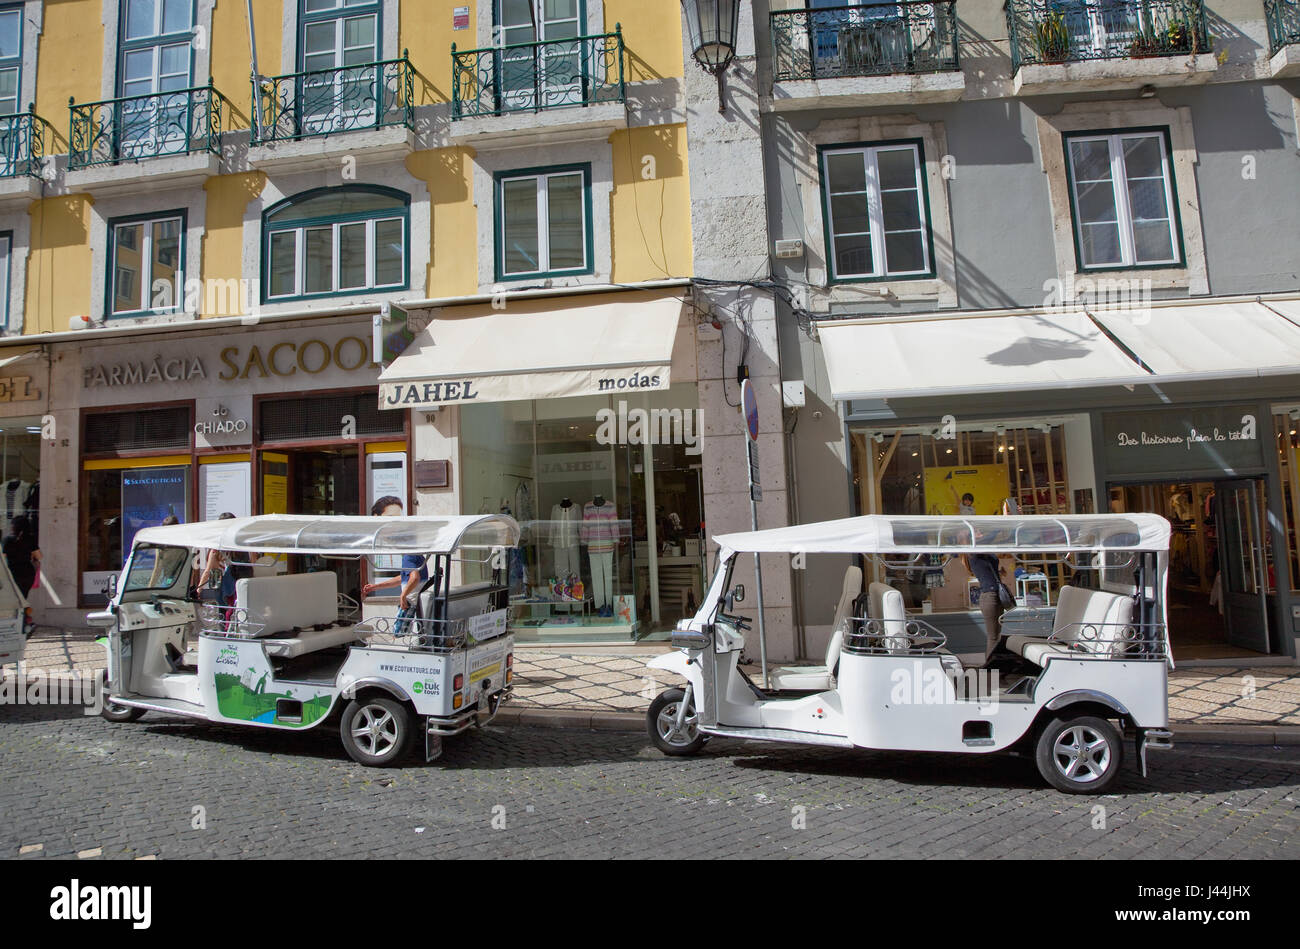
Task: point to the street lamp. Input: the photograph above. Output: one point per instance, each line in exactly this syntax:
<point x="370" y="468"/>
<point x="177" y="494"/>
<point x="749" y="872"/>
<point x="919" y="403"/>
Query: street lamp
<point x="711" y="25"/>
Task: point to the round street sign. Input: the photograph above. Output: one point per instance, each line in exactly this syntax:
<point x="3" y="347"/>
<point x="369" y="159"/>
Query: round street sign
<point x="749" y="402"/>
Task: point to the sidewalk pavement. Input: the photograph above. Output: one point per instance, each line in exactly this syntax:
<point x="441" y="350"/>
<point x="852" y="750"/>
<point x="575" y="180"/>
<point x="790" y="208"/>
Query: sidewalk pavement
<point x="590" y="689"/>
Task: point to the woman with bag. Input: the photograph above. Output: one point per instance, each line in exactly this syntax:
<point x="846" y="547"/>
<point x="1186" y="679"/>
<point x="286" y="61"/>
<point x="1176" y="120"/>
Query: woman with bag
<point x="220" y="564"/>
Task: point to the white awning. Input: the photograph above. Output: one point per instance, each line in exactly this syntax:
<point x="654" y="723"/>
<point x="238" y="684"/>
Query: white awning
<point x="9" y="360"/>
<point x="881" y="534"/>
<point x="1211" y="341"/>
<point x="1163" y="342"/>
<point x="937" y="355"/>
<point x="615" y="344"/>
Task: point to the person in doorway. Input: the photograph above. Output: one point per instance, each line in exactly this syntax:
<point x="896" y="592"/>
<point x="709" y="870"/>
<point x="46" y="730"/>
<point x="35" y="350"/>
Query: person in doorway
<point x="414" y="571"/>
<point x="24" y="560"/>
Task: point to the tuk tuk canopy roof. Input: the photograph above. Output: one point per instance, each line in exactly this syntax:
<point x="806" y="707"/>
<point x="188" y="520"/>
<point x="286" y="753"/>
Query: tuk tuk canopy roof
<point x="340" y="535"/>
<point x="880" y="534"/>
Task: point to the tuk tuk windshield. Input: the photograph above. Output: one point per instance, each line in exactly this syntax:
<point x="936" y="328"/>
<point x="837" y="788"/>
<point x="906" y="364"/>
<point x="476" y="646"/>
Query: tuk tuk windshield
<point x="156" y="568"/>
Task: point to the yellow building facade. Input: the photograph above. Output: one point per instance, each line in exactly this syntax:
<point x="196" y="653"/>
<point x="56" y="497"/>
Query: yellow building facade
<point x="200" y="257"/>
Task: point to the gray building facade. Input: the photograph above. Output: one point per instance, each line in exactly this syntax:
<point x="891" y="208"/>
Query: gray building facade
<point x="1023" y="249"/>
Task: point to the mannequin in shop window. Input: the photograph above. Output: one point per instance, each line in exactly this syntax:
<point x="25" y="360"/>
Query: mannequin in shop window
<point x="564" y="534"/>
<point x="600" y="535"/>
<point x="414" y="569"/>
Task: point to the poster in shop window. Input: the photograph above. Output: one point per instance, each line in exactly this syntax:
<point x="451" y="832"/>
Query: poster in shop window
<point x="226" y="487"/>
<point x="944" y="487"/>
<point x="148" y="496"/>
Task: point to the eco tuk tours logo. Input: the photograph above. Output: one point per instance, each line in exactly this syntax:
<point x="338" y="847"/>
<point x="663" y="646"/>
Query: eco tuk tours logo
<point x="30" y="686"/>
<point x="649" y="427"/>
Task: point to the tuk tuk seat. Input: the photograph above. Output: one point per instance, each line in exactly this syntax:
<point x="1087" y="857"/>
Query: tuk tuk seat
<point x="887" y="605"/>
<point x="297" y="613"/>
<point x="1089" y="621"/>
<point x="820" y="678"/>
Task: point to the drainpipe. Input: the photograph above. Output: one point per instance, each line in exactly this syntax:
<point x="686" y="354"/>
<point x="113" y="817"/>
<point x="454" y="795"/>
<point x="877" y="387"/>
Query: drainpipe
<point x="257" y="76"/>
<point x="792" y="510"/>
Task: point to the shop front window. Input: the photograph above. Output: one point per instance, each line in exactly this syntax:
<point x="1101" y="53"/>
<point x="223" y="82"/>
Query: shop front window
<point x="122" y="500"/>
<point x="973" y="473"/>
<point x="612" y="545"/>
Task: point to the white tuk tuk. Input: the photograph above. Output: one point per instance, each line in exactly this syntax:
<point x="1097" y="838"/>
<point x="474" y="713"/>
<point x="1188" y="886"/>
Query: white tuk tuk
<point x="292" y="652"/>
<point x="1079" y="677"/>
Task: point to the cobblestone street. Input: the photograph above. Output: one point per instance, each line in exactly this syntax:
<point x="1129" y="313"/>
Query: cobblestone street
<point x="78" y="786"/>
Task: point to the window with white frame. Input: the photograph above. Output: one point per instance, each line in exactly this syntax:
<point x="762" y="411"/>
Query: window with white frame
<point x="1122" y="193"/>
<point x="336" y="241"/>
<point x="877" y="219"/>
<point x="146" y="263"/>
<point x="11" y="57"/>
<point x="543" y="222"/>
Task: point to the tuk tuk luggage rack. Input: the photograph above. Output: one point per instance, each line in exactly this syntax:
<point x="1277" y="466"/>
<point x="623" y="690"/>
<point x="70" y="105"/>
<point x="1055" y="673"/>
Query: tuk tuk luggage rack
<point x="424" y="635"/>
<point x="868" y="636"/>
<point x="233" y="622"/>
<point x="1101" y="640"/>
<point x="228" y="622"/>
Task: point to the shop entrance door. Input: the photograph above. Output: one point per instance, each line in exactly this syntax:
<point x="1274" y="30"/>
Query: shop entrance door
<point x="317" y="481"/>
<point x="1219" y="565"/>
<point x="1243" y="557"/>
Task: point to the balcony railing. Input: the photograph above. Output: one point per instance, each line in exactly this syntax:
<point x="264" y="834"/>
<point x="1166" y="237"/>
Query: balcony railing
<point x="875" y="39"/>
<point x="1061" y="31"/>
<point x="131" y="128"/>
<point x="532" y="77"/>
<point x="22" y="144"/>
<point x="1283" y="18"/>
<point x="325" y="101"/>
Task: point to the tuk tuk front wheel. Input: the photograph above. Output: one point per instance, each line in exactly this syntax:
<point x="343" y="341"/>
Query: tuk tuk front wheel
<point x="661" y="722"/>
<point x="376" y="731"/>
<point x="1080" y="755"/>
<point x="113" y="712"/>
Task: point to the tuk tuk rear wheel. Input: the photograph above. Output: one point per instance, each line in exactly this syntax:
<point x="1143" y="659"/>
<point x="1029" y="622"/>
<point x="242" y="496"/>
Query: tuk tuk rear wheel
<point x="376" y="731"/>
<point x="1080" y="755"/>
<point x="661" y="723"/>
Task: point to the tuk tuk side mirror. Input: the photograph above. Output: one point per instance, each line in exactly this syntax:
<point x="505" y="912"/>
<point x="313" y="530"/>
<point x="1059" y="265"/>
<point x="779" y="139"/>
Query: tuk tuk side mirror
<point x="110" y="590"/>
<point x="738" y="594"/>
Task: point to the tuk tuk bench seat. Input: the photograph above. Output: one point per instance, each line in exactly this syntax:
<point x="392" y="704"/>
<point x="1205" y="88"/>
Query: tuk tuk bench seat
<point x="1088" y="621"/>
<point x="295" y="614"/>
<point x="310" y="640"/>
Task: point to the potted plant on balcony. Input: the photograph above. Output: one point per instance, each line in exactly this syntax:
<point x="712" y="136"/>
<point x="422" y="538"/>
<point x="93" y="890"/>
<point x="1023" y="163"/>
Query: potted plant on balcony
<point x="1179" y="37"/>
<point x="1052" y="38"/>
<point x="1144" y="45"/>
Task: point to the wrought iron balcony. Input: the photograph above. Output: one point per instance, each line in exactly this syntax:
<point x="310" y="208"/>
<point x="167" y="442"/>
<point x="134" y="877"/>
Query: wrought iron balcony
<point x="1061" y="31"/>
<point x="872" y="39"/>
<point x="532" y="77"/>
<point x="1283" y="18"/>
<point x="325" y="101"/>
<point x="22" y="144"/>
<point x="131" y="128"/>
